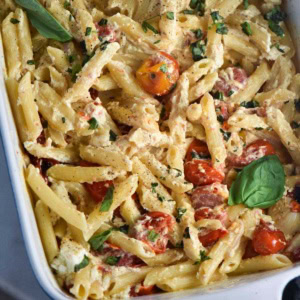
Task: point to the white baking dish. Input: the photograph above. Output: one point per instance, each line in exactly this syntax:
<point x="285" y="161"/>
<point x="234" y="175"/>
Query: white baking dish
<point x="267" y="285"/>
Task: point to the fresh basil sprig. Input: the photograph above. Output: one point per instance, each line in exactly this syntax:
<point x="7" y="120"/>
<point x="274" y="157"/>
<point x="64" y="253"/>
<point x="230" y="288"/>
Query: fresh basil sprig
<point x="260" y="184"/>
<point x="44" y="22"/>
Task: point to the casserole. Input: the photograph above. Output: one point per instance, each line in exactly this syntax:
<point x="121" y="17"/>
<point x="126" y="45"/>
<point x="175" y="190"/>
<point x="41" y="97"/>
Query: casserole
<point x="237" y="287"/>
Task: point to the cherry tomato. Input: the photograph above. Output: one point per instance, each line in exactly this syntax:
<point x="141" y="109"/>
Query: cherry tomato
<point x="200" y="172"/>
<point x="268" y="241"/>
<point x="253" y="152"/>
<point x="158" y="74"/>
<point x="231" y="80"/>
<point x="295" y="206"/>
<point x="153" y="228"/>
<point x="204" y="213"/>
<point x="206" y="196"/>
<point x="197" y="149"/>
<point x="249" y="251"/>
<point x="125" y="259"/>
<point x="99" y="189"/>
<point x="143" y="290"/>
<point x="208" y="239"/>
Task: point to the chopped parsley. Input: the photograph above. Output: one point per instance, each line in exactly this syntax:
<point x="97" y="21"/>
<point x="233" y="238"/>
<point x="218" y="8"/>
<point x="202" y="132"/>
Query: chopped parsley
<point x="295" y="125"/>
<point x="88" y="31"/>
<point x="112" y="260"/>
<point x="14" y="21"/>
<point x="152" y="236"/>
<point x="112" y="136"/>
<point x="246" y="28"/>
<point x="250" y="104"/>
<point x="186" y="233"/>
<point x="83" y="264"/>
<point x="153" y="187"/>
<point x="198" y="33"/>
<point x="246" y="4"/>
<point x="30" y="62"/>
<point x="297" y="105"/>
<point x="277" y="46"/>
<point x="203" y="257"/>
<point x="230" y="93"/>
<point x="146" y="26"/>
<point x="170" y="15"/>
<point x="74" y="71"/>
<point x="226" y="134"/>
<point x="258" y="128"/>
<point x="198" y="50"/>
<point x="160" y="198"/>
<point x="63" y="119"/>
<point x="180" y="213"/>
<point x="103" y="46"/>
<point x="93" y="123"/>
<point x="67" y="4"/>
<point x="108" y="199"/>
<point x="274" y="17"/>
<point x="218" y="21"/>
<point x="102" y="22"/>
<point x="198" y="6"/>
<point x="220" y="118"/>
<point x="218" y="95"/>
<point x="164" y="68"/>
<point x="156" y="42"/>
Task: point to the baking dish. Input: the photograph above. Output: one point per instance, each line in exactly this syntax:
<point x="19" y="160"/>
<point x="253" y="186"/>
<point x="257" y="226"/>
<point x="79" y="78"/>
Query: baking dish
<point x="268" y="284"/>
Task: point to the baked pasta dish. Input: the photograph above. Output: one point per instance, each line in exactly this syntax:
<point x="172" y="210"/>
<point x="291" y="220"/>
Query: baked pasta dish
<point x="160" y="139"/>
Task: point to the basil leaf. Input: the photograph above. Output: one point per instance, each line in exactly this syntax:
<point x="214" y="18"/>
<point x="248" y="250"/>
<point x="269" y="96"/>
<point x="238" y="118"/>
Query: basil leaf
<point x="108" y="199"/>
<point x="98" y="240"/>
<point x="83" y="264"/>
<point x="246" y="28"/>
<point x="93" y="123"/>
<point x="260" y="184"/>
<point x="170" y="15"/>
<point x="152" y="236"/>
<point x="112" y="136"/>
<point x="44" y="22"/>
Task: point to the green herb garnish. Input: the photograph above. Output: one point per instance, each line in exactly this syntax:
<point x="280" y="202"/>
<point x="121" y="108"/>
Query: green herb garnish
<point x="83" y="264"/>
<point x="170" y="15"/>
<point x="146" y="26"/>
<point x="14" y="21"/>
<point x="152" y="236"/>
<point x="30" y="62"/>
<point x="88" y="31"/>
<point x="164" y="68"/>
<point x="108" y="199"/>
<point x="226" y="134"/>
<point x="203" y="257"/>
<point x="180" y="213"/>
<point x="93" y="123"/>
<point x="112" y="260"/>
<point x="112" y="136"/>
<point x="246" y="28"/>
<point x="250" y="104"/>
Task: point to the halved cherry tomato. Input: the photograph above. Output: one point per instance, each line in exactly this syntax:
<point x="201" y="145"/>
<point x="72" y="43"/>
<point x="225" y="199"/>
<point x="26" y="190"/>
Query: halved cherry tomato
<point x="211" y="237"/>
<point x="204" y="213"/>
<point x="99" y="189"/>
<point x="252" y="152"/>
<point x="231" y="80"/>
<point x="153" y="228"/>
<point x="295" y="206"/>
<point x="200" y="172"/>
<point x="158" y="74"/>
<point x="268" y="241"/>
<point x="197" y="149"/>
<point x="206" y="196"/>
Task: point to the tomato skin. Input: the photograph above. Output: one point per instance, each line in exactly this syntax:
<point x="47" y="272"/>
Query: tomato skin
<point x="106" y="31"/>
<point x="253" y="152"/>
<point x="200" y="172"/>
<point x="143" y="290"/>
<point x="295" y="206"/>
<point x="249" y="251"/>
<point x="267" y="241"/>
<point x="153" y="79"/>
<point x="204" y="213"/>
<point x="159" y="222"/>
<point x="211" y="237"/>
<point x="98" y="189"/>
<point x="197" y="147"/>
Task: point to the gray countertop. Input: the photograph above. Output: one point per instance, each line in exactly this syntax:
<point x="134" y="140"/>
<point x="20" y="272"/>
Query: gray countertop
<point x="17" y="280"/>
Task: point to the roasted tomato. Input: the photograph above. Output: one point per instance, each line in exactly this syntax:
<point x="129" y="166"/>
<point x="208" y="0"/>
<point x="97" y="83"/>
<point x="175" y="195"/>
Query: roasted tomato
<point x="158" y="74"/>
<point x="106" y="32"/>
<point x="208" y="238"/>
<point x="43" y="164"/>
<point x="114" y="255"/>
<point x="142" y="290"/>
<point x="153" y="228"/>
<point x="252" y="152"/>
<point x="197" y="149"/>
<point x="99" y="189"/>
<point x="296" y="255"/>
<point x="249" y="251"/>
<point x="231" y="80"/>
<point x="268" y="241"/>
<point x="200" y="172"/>
<point x="295" y="206"/>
